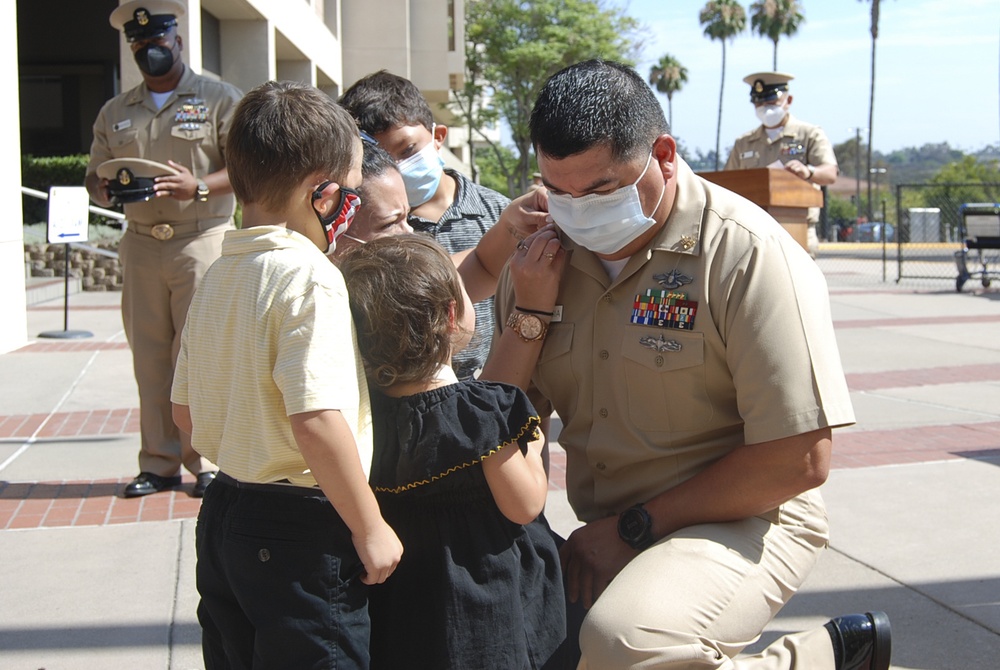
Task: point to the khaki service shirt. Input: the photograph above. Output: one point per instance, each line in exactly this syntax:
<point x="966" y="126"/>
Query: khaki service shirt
<point x="739" y="350"/>
<point x="190" y="128"/>
<point x="803" y="142"/>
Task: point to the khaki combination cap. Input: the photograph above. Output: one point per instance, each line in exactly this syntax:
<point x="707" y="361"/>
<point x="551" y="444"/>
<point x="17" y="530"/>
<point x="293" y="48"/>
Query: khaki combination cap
<point x="132" y="179"/>
<point x="767" y="86"/>
<point x="146" y="19"/>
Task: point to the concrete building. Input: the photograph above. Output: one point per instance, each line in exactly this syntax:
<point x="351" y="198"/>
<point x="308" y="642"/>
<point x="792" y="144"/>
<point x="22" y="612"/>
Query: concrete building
<point x="69" y="60"/>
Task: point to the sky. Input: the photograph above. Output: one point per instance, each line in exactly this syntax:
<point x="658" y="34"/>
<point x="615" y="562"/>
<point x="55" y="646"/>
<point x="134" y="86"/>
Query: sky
<point x="937" y="71"/>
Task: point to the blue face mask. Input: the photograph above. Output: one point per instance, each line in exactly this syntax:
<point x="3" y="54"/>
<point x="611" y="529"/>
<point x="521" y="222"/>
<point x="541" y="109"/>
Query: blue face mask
<point x="422" y="174"/>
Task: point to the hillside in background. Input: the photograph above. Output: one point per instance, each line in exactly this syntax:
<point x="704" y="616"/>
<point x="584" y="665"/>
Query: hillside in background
<point x="912" y="165"/>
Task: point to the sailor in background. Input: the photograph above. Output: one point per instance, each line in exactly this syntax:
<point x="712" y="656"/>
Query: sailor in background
<point x="175" y="119"/>
<point x="802" y="148"/>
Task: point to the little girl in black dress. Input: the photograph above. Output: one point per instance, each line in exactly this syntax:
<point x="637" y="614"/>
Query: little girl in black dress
<point x="458" y="475"/>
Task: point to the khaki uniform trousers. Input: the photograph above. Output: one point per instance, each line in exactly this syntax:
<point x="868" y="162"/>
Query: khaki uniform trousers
<point x="697" y="598"/>
<point x="159" y="280"/>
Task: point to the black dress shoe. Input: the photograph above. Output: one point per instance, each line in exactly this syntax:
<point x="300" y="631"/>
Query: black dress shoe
<point x="204" y="479"/>
<point x="861" y="641"/>
<point x="147" y="483"/>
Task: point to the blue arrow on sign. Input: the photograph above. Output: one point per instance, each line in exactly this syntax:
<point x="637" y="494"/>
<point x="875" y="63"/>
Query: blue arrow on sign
<point x="69" y="234"/>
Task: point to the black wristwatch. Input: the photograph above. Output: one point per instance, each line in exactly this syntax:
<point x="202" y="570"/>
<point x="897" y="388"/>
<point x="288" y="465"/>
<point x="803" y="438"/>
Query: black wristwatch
<point x="635" y="527"/>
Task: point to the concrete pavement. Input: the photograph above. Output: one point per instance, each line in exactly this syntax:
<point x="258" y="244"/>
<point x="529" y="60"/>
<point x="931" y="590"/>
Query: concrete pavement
<point x="912" y="498"/>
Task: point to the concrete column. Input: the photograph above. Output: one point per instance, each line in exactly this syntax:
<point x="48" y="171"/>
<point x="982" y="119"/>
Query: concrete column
<point x="297" y="70"/>
<point x="248" y="53"/>
<point x="13" y="317"/>
<point x="371" y="45"/>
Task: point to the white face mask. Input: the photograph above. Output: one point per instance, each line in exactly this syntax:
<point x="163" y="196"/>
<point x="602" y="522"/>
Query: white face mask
<point x="771" y="115"/>
<point x="604" y="223"/>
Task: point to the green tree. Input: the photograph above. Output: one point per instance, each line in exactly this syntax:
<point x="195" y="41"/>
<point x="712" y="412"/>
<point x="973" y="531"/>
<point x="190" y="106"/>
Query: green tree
<point x="962" y="181"/>
<point x="668" y="76"/>
<point x="514" y="46"/>
<point x="490" y="167"/>
<point x="723" y="20"/>
<point x="774" y="18"/>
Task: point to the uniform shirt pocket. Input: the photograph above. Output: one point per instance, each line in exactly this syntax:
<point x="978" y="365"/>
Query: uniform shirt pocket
<point x="125" y="144"/>
<point x="555" y="367"/>
<point x="665" y="376"/>
<point x="190" y="132"/>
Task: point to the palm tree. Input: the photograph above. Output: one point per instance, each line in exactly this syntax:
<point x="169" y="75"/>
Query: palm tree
<point x="871" y="100"/>
<point x="774" y="18"/>
<point x="668" y="76"/>
<point x="723" y="20"/>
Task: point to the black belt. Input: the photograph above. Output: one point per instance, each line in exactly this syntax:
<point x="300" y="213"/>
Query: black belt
<point x="281" y="487"/>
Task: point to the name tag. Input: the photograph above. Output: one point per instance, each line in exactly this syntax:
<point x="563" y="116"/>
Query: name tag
<point x="748" y="154"/>
<point x="122" y="125"/>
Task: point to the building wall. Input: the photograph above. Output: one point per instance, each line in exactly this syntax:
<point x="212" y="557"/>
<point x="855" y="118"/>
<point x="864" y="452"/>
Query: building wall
<point x="13" y="315"/>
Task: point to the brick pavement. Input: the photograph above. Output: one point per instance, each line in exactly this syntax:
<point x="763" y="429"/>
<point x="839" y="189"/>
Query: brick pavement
<point x="99" y="502"/>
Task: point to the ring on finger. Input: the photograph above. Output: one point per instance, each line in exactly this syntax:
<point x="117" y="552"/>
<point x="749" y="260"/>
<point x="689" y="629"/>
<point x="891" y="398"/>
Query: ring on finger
<point x="550" y="256"/>
<point x="521" y="246"/>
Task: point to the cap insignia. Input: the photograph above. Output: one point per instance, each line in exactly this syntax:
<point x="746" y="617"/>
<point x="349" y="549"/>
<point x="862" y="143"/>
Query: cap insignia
<point x="142" y="17"/>
<point x="124" y="176"/>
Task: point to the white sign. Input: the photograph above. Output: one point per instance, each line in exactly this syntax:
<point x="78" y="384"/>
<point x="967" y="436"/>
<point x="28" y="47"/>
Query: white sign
<point x="68" y="214"/>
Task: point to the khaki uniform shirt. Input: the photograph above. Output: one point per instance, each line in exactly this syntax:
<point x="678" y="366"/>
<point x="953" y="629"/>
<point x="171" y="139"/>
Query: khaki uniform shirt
<point x="269" y="334"/>
<point x="717" y="335"/>
<point x="190" y="129"/>
<point x="803" y="142"/>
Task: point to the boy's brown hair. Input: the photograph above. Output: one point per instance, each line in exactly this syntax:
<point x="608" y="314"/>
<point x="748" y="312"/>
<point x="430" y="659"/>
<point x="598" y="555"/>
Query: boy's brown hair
<point x="401" y="289"/>
<point x="382" y="101"/>
<point x="282" y="133"/>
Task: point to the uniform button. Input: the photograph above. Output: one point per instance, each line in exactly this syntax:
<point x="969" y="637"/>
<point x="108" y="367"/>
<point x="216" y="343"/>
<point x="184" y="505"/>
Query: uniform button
<point x="601" y="466"/>
<point x="264" y="555"/>
<point x="606" y="297"/>
<point x="603" y="413"/>
<point x="604" y="355"/>
<point x="659" y="361"/>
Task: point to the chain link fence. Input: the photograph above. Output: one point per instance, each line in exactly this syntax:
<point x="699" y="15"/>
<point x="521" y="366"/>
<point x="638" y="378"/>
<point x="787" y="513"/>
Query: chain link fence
<point x="912" y="240"/>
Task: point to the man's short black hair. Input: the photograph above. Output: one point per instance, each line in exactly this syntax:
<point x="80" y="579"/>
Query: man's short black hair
<point x="376" y="161"/>
<point x="382" y="101"/>
<point x="593" y="103"/>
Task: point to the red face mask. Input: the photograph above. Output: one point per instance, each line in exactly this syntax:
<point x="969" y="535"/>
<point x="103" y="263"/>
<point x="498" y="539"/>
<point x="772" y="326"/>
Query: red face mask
<point x="340" y="217"/>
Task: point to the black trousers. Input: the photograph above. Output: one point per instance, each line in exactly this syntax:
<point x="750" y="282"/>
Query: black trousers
<point x="278" y="578"/>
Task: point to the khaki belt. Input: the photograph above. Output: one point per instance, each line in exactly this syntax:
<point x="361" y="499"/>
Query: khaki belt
<point x="165" y="231"/>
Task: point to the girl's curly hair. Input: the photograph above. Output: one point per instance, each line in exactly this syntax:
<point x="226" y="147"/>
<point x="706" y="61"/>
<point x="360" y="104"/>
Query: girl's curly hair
<point x="401" y="290"/>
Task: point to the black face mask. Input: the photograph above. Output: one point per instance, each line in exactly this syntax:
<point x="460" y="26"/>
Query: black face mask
<point x="155" y="60"/>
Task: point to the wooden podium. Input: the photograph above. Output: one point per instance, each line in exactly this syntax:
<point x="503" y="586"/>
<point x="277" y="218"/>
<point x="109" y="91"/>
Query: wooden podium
<point x="783" y="195"/>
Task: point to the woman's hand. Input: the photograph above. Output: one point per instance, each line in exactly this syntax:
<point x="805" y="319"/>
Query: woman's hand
<point x="536" y="268"/>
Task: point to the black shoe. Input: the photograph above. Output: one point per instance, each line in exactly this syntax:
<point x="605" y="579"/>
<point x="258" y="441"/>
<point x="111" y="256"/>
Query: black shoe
<point x="861" y="641"/>
<point x="147" y="483"/>
<point x="204" y="479"/>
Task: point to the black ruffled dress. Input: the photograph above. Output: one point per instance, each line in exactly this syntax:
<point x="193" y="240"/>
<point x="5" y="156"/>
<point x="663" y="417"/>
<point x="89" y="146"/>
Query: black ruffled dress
<point x="473" y="589"/>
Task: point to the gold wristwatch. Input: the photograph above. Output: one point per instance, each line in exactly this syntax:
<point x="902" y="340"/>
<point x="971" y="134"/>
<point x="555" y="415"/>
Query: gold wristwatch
<point x="527" y="326"/>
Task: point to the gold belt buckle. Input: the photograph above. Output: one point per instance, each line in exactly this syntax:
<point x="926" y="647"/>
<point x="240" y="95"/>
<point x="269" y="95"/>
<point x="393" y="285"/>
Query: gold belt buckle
<point x="162" y="231"/>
